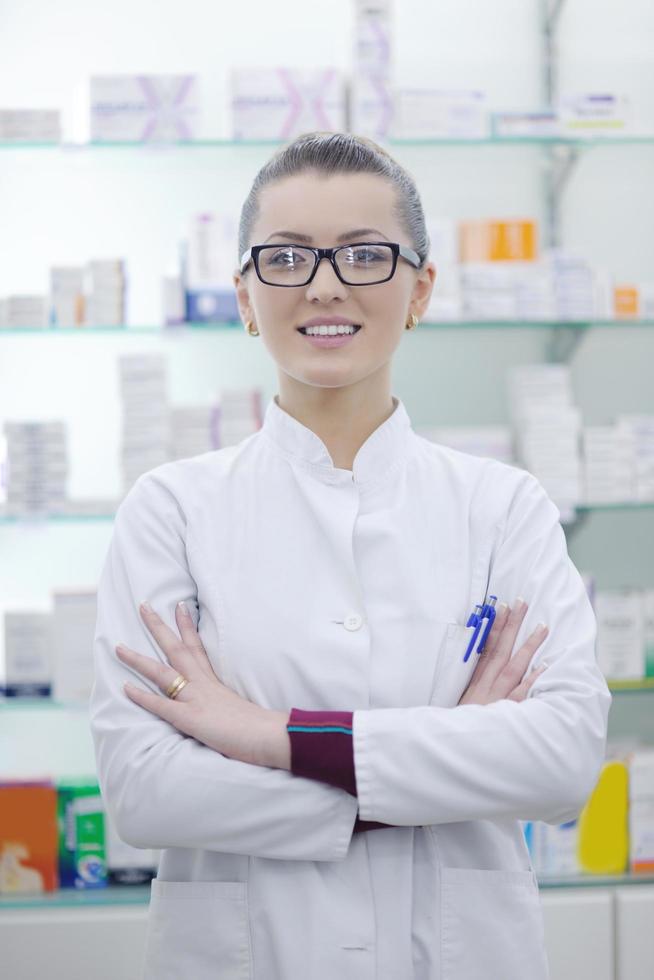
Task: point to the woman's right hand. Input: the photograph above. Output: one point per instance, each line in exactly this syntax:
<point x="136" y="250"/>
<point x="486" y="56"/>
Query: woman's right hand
<point x="498" y="674"/>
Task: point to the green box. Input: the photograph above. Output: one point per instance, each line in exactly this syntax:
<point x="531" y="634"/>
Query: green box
<point x="82" y="848"/>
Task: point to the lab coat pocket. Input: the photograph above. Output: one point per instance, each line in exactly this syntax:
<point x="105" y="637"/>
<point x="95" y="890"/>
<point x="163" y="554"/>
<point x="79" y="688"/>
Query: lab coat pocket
<point x="198" y="929"/>
<point x="453" y="674"/>
<point x="491" y="925"/>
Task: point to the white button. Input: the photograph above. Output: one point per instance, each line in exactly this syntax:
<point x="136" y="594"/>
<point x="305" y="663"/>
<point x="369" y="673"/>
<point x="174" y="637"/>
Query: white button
<point x="353" y="621"/>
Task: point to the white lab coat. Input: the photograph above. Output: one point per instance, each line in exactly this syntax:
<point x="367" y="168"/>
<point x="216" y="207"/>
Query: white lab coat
<point x="323" y="588"/>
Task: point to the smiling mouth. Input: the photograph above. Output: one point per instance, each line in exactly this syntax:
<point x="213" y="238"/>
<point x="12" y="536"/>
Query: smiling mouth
<point x="357" y="327"/>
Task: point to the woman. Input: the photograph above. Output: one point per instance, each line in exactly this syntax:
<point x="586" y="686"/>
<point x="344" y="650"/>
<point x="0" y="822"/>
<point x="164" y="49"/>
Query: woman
<point x="333" y="771"/>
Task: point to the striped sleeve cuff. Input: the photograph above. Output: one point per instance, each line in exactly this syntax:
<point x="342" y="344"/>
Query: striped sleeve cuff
<point x="321" y="747"/>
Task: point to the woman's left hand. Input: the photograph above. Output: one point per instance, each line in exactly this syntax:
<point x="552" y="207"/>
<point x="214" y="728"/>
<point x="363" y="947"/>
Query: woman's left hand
<point x="205" y="708"/>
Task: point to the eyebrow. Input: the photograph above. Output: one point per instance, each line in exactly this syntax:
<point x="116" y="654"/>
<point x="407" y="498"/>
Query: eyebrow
<point x="297" y="236"/>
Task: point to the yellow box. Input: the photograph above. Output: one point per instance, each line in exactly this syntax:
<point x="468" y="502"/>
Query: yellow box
<point x="514" y="240"/>
<point x="626" y="302"/>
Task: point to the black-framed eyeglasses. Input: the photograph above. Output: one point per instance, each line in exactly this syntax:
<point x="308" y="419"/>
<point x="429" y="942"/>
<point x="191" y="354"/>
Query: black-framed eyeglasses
<point x="360" y="264"/>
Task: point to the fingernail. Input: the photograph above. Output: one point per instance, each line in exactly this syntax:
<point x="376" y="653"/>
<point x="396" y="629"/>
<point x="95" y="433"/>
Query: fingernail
<point x="502" y="606"/>
<point x="540" y="628"/>
<point x="544" y="665"/>
<point x="183" y="607"/>
<point x="520" y="602"/>
<point x="145" y="605"/>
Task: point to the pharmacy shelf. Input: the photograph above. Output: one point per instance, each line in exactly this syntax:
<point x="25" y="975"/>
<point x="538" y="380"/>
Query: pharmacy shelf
<point x="232" y="326"/>
<point x="48" y="704"/>
<point x="44" y="518"/>
<point x="116" y="895"/>
<point x="70" y="897"/>
<point x="581" y="142"/>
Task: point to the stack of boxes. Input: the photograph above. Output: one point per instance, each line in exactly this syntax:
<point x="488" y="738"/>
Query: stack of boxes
<point x="105" y="303"/>
<point x="238" y="415"/>
<point x="625" y="633"/>
<point x="145" y="414"/>
<point x="67" y="301"/>
<point x="371" y="95"/>
<point x="547" y="428"/>
<point x="38" y="467"/>
<point x="30" y="125"/>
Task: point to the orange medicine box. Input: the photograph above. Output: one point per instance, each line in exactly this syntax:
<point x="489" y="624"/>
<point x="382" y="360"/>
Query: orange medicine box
<point x="28" y="836"/>
<point x="497" y="241"/>
<point x="625" y="301"/>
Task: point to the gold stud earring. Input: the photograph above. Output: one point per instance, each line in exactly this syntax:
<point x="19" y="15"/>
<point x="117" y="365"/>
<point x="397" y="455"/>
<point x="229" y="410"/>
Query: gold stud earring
<point x="248" y="326"/>
<point x="412" y="322"/>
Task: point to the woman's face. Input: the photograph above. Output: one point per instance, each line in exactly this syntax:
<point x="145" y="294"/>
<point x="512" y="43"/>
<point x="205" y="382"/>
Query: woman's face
<point x="323" y="209"/>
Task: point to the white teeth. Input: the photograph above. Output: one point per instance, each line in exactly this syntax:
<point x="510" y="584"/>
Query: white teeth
<point x="331" y="329"/>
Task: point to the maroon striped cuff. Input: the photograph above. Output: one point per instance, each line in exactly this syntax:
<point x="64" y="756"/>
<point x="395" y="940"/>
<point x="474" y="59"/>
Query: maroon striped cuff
<point x="322" y="748"/>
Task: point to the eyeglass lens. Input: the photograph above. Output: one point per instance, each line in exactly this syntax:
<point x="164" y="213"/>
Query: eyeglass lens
<point x="292" y="265"/>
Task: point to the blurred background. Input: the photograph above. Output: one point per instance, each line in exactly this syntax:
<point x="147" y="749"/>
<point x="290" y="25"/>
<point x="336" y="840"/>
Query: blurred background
<point x="129" y="137"/>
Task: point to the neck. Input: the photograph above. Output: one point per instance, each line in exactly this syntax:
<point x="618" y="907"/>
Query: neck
<point x="342" y="417"/>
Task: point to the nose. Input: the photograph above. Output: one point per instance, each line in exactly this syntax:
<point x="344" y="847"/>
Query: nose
<point x="325" y="283"/>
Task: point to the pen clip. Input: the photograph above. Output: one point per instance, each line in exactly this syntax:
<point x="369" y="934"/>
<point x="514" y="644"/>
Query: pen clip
<point x="473" y="620"/>
<point x="488" y="613"/>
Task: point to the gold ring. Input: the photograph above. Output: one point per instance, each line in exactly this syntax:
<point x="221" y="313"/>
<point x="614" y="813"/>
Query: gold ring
<point x="176" y="686"/>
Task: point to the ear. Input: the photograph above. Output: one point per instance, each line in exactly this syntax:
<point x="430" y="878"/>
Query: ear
<point x="422" y="289"/>
<point x="242" y="296"/>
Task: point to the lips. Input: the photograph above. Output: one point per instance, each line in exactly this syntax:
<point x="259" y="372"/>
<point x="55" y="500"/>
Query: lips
<point x="357" y="327"/>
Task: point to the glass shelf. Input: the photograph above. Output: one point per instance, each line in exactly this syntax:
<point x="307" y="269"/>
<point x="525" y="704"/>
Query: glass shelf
<point x="594" y="881"/>
<point x="48" y="704"/>
<point x="597" y="139"/>
<point x="237" y="327"/>
<point x="76" y="898"/>
<point x="39" y="518"/>
<point x="114" y="895"/>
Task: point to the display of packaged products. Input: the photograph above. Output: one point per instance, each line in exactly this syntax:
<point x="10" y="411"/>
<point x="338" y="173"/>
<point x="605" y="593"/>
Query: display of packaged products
<point x="38" y="466"/>
<point x="81" y="834"/>
<point x="141" y="108"/>
<point x="26" y="670"/>
<point x="73" y="626"/>
<point x="28" y="836"/>
<point x="370" y="107"/>
<point x="67" y="301"/>
<point x="30" y="125"/>
<point x="544" y="122"/>
<point x="625" y="302"/>
<point x="590" y="114"/>
<point x="127" y="865"/>
<point x="191" y="430"/>
<point x="281" y="103"/>
<point x="511" y="240"/>
<point x="547" y="428"/>
<point x="620" y="634"/>
<point x="641" y="810"/>
<point x="494" y="441"/>
<point x="238" y="414"/>
<point x="207" y="262"/>
<point x="439" y="114"/>
<point x="603" y="844"/>
<point x="143" y="380"/>
<point x="107" y="288"/>
<point x="25" y="310"/>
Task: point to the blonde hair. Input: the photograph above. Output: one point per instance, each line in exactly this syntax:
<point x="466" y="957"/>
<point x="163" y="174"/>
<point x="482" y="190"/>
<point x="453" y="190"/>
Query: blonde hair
<point x="339" y="153"/>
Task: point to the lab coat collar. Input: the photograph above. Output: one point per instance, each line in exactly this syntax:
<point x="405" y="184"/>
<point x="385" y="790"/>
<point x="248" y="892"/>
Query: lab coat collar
<point x="384" y="449"/>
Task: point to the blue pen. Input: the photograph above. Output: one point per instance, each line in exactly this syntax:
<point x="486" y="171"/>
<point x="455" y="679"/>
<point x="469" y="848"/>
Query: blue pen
<point x="488" y="613"/>
<point x="474" y="620"/>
